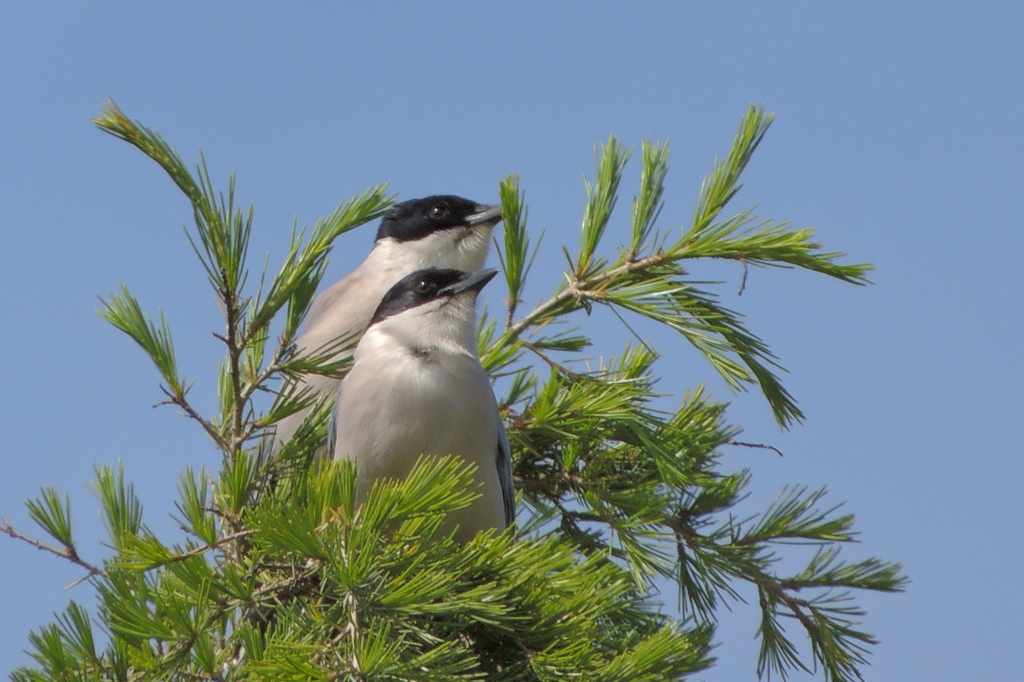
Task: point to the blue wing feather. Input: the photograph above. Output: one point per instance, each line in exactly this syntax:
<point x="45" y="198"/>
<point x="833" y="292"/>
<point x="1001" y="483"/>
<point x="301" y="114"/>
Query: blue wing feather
<point x="504" y="462"/>
<point x="332" y="428"/>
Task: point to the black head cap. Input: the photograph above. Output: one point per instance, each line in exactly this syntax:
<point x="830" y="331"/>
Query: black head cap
<point x="427" y="285"/>
<point x="418" y="218"/>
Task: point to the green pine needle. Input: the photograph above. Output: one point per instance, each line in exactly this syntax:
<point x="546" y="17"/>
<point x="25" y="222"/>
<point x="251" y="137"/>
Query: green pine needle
<point x="285" y="570"/>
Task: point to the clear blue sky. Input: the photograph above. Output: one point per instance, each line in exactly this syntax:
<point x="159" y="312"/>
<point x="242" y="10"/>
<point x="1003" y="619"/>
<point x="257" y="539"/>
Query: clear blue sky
<point x="898" y="134"/>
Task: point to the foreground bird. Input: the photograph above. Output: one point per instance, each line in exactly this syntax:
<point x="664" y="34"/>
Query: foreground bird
<point x="443" y="231"/>
<point x="416" y="387"/>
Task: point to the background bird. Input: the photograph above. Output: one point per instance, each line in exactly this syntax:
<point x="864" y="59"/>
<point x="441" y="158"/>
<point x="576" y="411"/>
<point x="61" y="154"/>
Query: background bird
<point x="416" y="387"/>
<point x="443" y="231"/>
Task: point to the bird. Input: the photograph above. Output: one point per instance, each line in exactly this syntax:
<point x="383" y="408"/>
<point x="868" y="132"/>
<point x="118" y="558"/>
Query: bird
<point x="444" y="231"/>
<point x="416" y="387"/>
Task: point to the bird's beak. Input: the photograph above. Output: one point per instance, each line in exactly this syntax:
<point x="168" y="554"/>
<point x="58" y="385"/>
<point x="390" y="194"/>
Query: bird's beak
<point x="485" y="215"/>
<point x="474" y="282"/>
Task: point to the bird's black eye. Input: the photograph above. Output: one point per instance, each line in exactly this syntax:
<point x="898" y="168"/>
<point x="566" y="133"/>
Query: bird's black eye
<point x="438" y="211"/>
<point x="424" y="286"/>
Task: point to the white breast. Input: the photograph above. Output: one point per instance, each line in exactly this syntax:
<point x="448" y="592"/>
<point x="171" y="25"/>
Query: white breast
<point x="401" y="400"/>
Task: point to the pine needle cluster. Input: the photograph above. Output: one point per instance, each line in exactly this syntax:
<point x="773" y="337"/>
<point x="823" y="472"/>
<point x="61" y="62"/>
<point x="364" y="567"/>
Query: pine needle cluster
<point x="279" y="575"/>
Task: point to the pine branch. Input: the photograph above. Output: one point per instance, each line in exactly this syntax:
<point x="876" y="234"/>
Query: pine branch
<point x="212" y="431"/>
<point x="69" y="552"/>
<point x="654" y="285"/>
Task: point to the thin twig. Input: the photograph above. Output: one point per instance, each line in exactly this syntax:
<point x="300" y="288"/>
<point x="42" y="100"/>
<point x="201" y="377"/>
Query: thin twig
<point x="554" y="485"/>
<point x="232" y="317"/>
<point x="68" y="553"/>
<point x="273" y="368"/>
<point x="794" y="604"/>
<point x="575" y="376"/>
<point x="510" y="305"/>
<point x="211" y="431"/>
<point x="582" y="289"/>
<point x="205" y="548"/>
<point x="743" y="282"/>
<point x="764" y="446"/>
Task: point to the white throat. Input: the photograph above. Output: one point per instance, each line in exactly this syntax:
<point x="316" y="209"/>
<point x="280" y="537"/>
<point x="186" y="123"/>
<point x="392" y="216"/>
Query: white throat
<point x="445" y="326"/>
